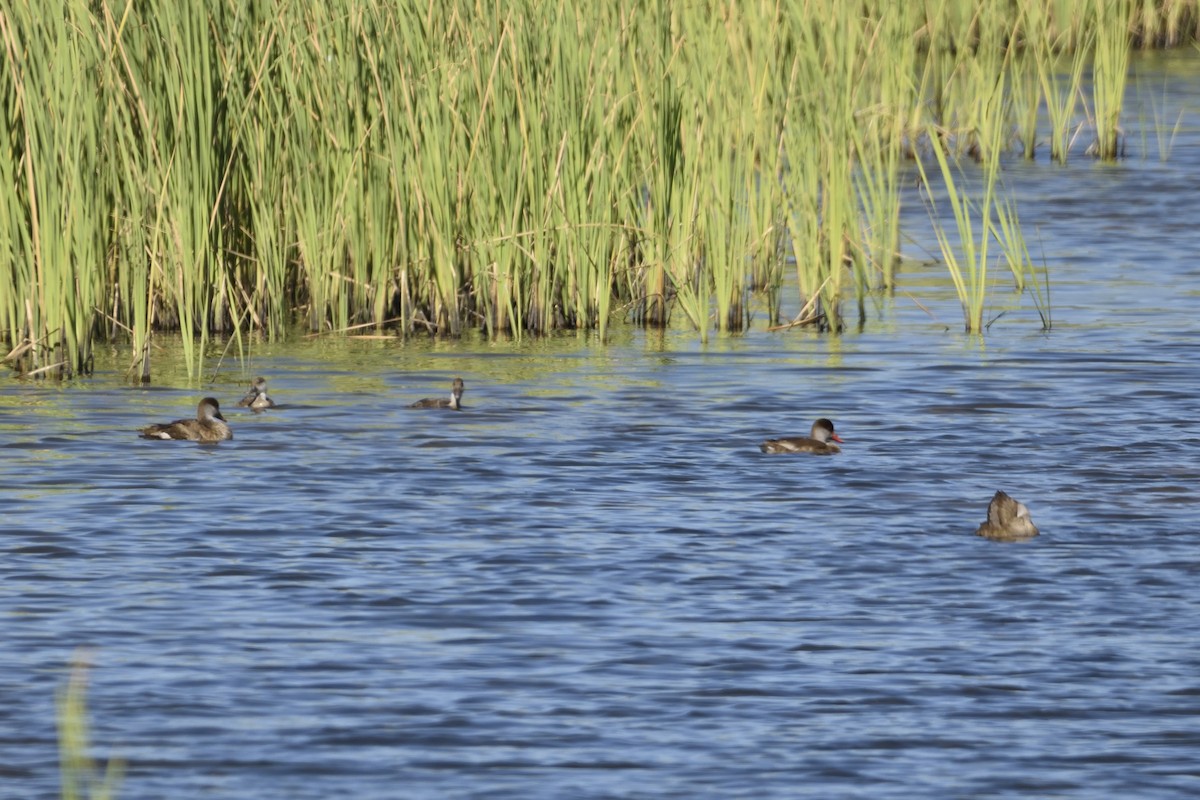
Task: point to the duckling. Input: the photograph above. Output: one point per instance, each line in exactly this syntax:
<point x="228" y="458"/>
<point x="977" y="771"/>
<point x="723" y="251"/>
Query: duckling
<point x="257" y="398"/>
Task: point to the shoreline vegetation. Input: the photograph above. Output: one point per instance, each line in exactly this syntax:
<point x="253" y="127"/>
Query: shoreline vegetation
<point x="228" y="168"/>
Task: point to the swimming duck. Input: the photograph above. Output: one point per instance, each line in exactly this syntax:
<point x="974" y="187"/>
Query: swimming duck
<point x="257" y="398"/>
<point x="1008" y="521"/>
<point x="454" y="401"/>
<point x="817" y="442"/>
<point x="208" y="426"/>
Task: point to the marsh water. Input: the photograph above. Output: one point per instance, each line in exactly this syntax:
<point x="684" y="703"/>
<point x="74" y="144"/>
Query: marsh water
<point x="591" y="584"/>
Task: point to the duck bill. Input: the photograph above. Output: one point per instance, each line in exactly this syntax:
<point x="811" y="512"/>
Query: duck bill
<point x="837" y="438"/>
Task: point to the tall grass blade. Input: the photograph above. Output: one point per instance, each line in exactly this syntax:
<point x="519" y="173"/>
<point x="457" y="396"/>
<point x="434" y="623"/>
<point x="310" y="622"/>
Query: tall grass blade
<point x="80" y="779"/>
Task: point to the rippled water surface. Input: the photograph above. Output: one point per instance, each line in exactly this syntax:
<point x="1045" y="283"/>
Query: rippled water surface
<point x="590" y="583"/>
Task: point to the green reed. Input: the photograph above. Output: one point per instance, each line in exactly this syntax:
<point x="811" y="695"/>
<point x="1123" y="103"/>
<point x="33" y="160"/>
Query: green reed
<point x="982" y="219"/>
<point x="975" y="86"/>
<point x="1164" y="132"/>
<point x="1060" y="94"/>
<point x="799" y="177"/>
<point x="967" y="263"/>
<point x="1110" y="72"/>
<point x="224" y="169"/>
<point x="50" y="164"/>
<point x="968" y="271"/>
<point x="880" y="138"/>
<point x="825" y="231"/>
<point x="1027" y="98"/>
<point x="1014" y="251"/>
<point x="1164" y="24"/>
<point x="736" y="146"/>
<point x="588" y="238"/>
<point x="80" y="779"/>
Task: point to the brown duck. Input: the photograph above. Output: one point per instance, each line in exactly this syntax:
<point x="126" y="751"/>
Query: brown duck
<point x="1007" y="521"/>
<point x="817" y="442"/>
<point x="454" y="401"/>
<point x="208" y="426"/>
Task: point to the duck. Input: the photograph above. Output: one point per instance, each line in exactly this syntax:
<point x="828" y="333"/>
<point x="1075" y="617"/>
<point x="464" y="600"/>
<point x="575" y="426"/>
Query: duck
<point x="1007" y="521"/>
<point x="816" y="443"/>
<point x="453" y="402"/>
<point x="208" y="426"/>
<point x="257" y="398"/>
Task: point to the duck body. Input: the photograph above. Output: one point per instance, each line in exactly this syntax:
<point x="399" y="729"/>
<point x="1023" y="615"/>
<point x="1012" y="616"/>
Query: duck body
<point x="453" y="402"/>
<point x="816" y="443"/>
<point x="1008" y="521"/>
<point x="208" y="426"/>
<point x="257" y="398"/>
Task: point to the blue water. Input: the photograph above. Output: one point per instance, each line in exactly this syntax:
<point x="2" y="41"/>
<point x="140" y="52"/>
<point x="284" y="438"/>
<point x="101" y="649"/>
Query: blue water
<point x="591" y="584"/>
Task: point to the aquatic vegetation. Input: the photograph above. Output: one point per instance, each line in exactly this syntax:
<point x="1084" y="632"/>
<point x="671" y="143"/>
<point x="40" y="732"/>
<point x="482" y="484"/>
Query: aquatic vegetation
<point x="1165" y="24"/>
<point x="1060" y="95"/>
<point x="1110" y="69"/>
<point x="980" y="223"/>
<point x="1041" y="295"/>
<point x="365" y="166"/>
<point x="982" y="218"/>
<point x="1027" y="98"/>
<point x="1164" y="133"/>
<point x="967" y="264"/>
<point x="81" y="780"/>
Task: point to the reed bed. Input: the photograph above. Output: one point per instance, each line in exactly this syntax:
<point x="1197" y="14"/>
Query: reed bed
<point x="236" y="168"/>
<point x="1110" y="69"/>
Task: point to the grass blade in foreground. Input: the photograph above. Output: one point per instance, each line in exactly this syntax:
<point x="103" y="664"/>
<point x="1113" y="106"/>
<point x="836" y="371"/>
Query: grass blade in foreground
<point x="80" y="778"/>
